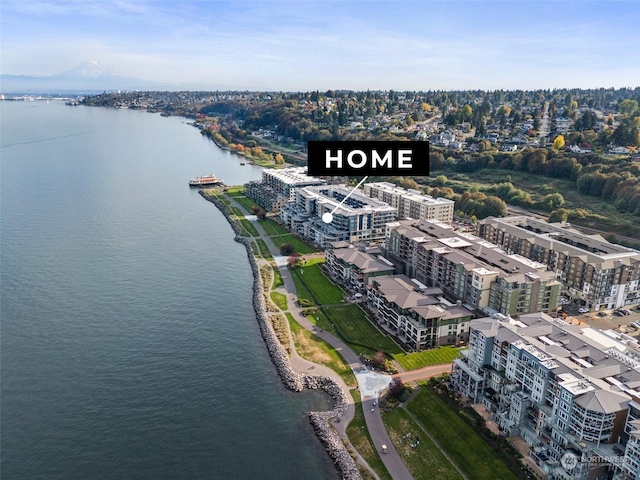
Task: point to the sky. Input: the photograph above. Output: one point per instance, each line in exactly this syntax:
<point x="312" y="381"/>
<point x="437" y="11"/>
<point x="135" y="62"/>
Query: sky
<point x="321" y="45"/>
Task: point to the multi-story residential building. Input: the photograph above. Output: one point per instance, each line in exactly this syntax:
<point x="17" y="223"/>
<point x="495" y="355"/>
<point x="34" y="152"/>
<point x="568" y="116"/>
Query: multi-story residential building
<point x="594" y="272"/>
<point x="573" y="394"/>
<point x="411" y="203"/>
<point x="277" y="186"/>
<point x="355" y="217"/>
<point x="354" y="268"/>
<point x="419" y="316"/>
<point x="470" y="269"/>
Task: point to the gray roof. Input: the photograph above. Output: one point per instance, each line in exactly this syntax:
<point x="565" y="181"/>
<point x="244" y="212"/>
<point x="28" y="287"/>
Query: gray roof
<point x="602" y="401"/>
<point x="365" y="262"/>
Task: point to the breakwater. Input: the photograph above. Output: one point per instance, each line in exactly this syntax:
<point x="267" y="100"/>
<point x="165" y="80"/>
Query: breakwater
<point x="292" y="380"/>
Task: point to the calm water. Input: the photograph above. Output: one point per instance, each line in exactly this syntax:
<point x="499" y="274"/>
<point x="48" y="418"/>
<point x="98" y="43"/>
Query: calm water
<point x="129" y="344"/>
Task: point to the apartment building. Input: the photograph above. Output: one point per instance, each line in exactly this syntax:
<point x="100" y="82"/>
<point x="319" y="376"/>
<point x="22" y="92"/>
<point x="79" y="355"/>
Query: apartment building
<point x="418" y="316"/>
<point x="573" y="394"/>
<point x="470" y="269"/>
<point x="355" y="217"/>
<point x="594" y="272"/>
<point x="411" y="203"/>
<point x="277" y="186"/>
<point x="354" y="268"/>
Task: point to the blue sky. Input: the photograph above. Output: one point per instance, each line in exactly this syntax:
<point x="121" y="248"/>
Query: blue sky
<point x="305" y="45"/>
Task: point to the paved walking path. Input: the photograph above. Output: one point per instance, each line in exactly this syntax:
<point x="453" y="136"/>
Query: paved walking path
<point x="370" y="384"/>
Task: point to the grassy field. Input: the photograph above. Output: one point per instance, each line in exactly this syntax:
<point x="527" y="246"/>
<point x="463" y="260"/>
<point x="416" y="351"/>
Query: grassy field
<point x="272" y="228"/>
<point x="235" y="191"/>
<point x="538" y="186"/>
<point x="280" y="300"/>
<point x="411" y="361"/>
<point x="304" y="295"/>
<point x="361" y="440"/>
<point x="425" y="460"/>
<point x="277" y="277"/>
<point x="246" y="203"/>
<point x="467" y="450"/>
<point x="314" y="349"/>
<point x="251" y="230"/>
<point x="264" y="251"/>
<point x="298" y="245"/>
<point x="323" y="290"/>
<point x="237" y="212"/>
<point x="353" y="326"/>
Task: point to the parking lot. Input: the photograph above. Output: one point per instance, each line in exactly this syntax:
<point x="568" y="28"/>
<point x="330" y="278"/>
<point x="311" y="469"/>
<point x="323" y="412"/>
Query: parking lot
<point x="607" y="321"/>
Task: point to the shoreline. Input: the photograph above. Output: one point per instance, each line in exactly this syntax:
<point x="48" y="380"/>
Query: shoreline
<point x="294" y="381"/>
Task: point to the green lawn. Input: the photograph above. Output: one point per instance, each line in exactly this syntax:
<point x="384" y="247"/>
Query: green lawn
<point x="298" y="245"/>
<point x="251" y="230"/>
<point x="246" y="203"/>
<point x="273" y="228"/>
<point x="323" y="290"/>
<point x="353" y="326"/>
<point x="314" y="349"/>
<point x="235" y="191"/>
<point x="436" y="356"/>
<point x="467" y="450"/>
<point x="301" y="289"/>
<point x="277" y="277"/>
<point x="237" y="212"/>
<point x="425" y="460"/>
<point x="280" y="300"/>
<point x="361" y="440"/>
<point x="264" y="251"/>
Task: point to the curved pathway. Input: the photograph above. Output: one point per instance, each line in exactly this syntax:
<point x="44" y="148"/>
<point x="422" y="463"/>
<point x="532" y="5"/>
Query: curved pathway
<point x="370" y="384"/>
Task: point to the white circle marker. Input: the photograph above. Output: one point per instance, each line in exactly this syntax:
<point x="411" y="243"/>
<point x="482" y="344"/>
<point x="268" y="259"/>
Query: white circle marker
<point x="327" y="217"/>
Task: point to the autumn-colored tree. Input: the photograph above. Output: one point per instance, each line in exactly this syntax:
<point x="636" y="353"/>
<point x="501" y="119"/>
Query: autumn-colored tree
<point x="278" y="159"/>
<point x="379" y="359"/>
<point x="558" y="142"/>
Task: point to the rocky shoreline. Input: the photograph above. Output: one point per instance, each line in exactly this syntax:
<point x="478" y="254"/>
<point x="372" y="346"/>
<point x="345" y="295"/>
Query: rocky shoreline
<point x="295" y="381"/>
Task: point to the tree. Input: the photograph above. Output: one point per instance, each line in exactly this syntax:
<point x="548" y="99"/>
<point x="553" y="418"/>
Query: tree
<point x="558" y="142"/>
<point x="379" y="359"/>
<point x="493" y="207"/>
<point x="286" y="249"/>
<point x="628" y="107"/>
<point x="278" y="159"/>
<point x="396" y="388"/>
<point x="440" y="180"/>
<point x="295" y="260"/>
<point x="553" y="201"/>
<point x="559" y="215"/>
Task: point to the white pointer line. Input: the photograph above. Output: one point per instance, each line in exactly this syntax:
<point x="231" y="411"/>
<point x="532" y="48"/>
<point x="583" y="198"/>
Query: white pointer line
<point x="350" y="193"/>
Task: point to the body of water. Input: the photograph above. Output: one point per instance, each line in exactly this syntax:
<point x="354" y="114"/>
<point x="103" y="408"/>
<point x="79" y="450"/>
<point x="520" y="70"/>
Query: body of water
<point x="129" y="345"/>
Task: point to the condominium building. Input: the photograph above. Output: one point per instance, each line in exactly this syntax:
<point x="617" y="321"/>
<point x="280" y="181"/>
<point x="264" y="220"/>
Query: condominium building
<point x="411" y="203"/>
<point x="573" y="394"/>
<point x="277" y="186"/>
<point x="418" y="316"/>
<point x="355" y="217"/>
<point x="354" y="268"/>
<point x="594" y="272"/>
<point x="470" y="269"/>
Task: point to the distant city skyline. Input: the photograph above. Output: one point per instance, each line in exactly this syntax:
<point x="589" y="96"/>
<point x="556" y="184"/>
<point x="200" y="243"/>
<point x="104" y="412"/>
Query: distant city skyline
<point x="308" y="45"/>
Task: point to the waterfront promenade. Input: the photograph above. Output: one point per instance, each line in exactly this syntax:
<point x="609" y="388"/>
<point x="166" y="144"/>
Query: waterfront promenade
<point x="370" y="384"/>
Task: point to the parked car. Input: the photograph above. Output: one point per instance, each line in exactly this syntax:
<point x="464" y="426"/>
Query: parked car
<point x="583" y="310"/>
<point x="602" y="314"/>
<point x="618" y="313"/>
<point x="626" y="312"/>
